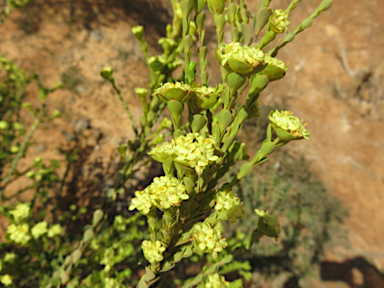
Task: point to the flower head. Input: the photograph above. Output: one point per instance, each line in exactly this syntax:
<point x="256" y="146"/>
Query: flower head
<point x="6" y="280"/>
<point x="204" y="97"/>
<point x="174" y="91"/>
<point x="229" y="205"/>
<point x="279" y="21"/>
<point x="39" y="229"/>
<point x="244" y="60"/>
<point x="164" y="193"/>
<point x="215" y="281"/>
<point x="9" y="257"/>
<point x="55" y="230"/>
<point x="19" y="233"/>
<point x="275" y="70"/>
<point x="153" y="251"/>
<point x="287" y="126"/>
<point x="21" y="212"/>
<point x="209" y="239"/>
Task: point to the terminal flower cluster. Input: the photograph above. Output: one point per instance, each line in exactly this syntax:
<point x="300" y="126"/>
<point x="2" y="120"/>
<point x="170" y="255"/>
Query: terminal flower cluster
<point x="240" y="59"/>
<point x="215" y="281"/>
<point x="21" y="212"/>
<point x="19" y="233"/>
<point x="164" y="192"/>
<point x="193" y="150"/>
<point x="230" y="204"/>
<point x="279" y="21"/>
<point x="287" y="126"/>
<point x="153" y="251"/>
<point x="209" y="239"/>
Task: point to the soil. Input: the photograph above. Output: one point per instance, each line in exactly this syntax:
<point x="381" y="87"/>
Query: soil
<point x="335" y="82"/>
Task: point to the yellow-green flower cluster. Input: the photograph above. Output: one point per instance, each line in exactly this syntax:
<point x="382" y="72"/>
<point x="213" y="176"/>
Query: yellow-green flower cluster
<point x="9" y="257"/>
<point x="230" y="204"/>
<point x="240" y="59"/>
<point x="55" y="230"/>
<point x="275" y="70"/>
<point x="19" y="233"/>
<point x="6" y="280"/>
<point x="204" y="97"/>
<point x="209" y="239"/>
<point x="174" y="91"/>
<point x="164" y="192"/>
<point x="279" y="21"/>
<point x="111" y="283"/>
<point x="193" y="150"/>
<point x="215" y="281"/>
<point x="153" y="251"/>
<point x="39" y="229"/>
<point x="21" y="212"/>
<point x="287" y="126"/>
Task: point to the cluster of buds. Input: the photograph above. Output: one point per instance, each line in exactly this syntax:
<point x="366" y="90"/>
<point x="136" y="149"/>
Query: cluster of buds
<point x="164" y="193"/>
<point x="209" y="239"/>
<point x="153" y="251"/>
<point x="287" y="126"/>
<point x="279" y="21"/>
<point x="193" y="150"/>
<point x="215" y="281"/>
<point x="229" y="205"/>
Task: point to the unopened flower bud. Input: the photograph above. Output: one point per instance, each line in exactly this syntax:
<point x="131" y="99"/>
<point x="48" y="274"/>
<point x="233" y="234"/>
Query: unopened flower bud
<point x="174" y="91"/>
<point x="138" y="31"/>
<point x="107" y="73"/>
<point x="275" y="70"/>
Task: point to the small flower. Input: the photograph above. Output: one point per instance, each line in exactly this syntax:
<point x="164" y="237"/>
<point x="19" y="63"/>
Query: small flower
<point x="204" y="97"/>
<point x="111" y="283"/>
<point x="195" y="151"/>
<point x="208" y="239"/>
<point x="230" y="205"/>
<point x="287" y="126"/>
<point x="279" y="21"/>
<point x="244" y="60"/>
<point x="19" y="233"/>
<point x="267" y="224"/>
<point x="3" y="125"/>
<point x="174" y="91"/>
<point x="275" y="70"/>
<point x="39" y="229"/>
<point x="9" y="257"/>
<point x="164" y="193"/>
<point x="55" y="230"/>
<point x="153" y="251"/>
<point x="21" y="212"/>
<point x="215" y="281"/>
<point x="6" y="279"/>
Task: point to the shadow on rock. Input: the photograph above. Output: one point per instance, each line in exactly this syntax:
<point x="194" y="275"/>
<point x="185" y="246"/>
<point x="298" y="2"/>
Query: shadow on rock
<point x="357" y="273"/>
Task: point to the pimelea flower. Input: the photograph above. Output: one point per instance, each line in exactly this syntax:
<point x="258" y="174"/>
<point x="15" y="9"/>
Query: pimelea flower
<point x="6" y="280"/>
<point x="267" y="224"/>
<point x="9" y="257"/>
<point x="244" y="60"/>
<point x="215" y="281"/>
<point x="209" y="239"/>
<point x="230" y="205"/>
<point x="21" y="212"/>
<point x="55" y="230"/>
<point x="204" y="97"/>
<point x="275" y="70"/>
<point x="39" y="229"/>
<point x="279" y="21"/>
<point x="193" y="150"/>
<point x="164" y="193"/>
<point x="153" y="251"/>
<point x="19" y="233"/>
<point x="287" y="126"/>
<point x="111" y="283"/>
<point x="174" y="91"/>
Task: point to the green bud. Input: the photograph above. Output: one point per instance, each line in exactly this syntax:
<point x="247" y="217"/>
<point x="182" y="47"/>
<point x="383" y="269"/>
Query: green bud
<point x="216" y="6"/>
<point x="267" y="224"/>
<point x="97" y="216"/>
<point x="287" y="126"/>
<point x="138" y="31"/>
<point x="107" y="73"/>
<point x="56" y="114"/>
<point x="325" y="5"/>
<point x="204" y="97"/>
<point x="141" y="92"/>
